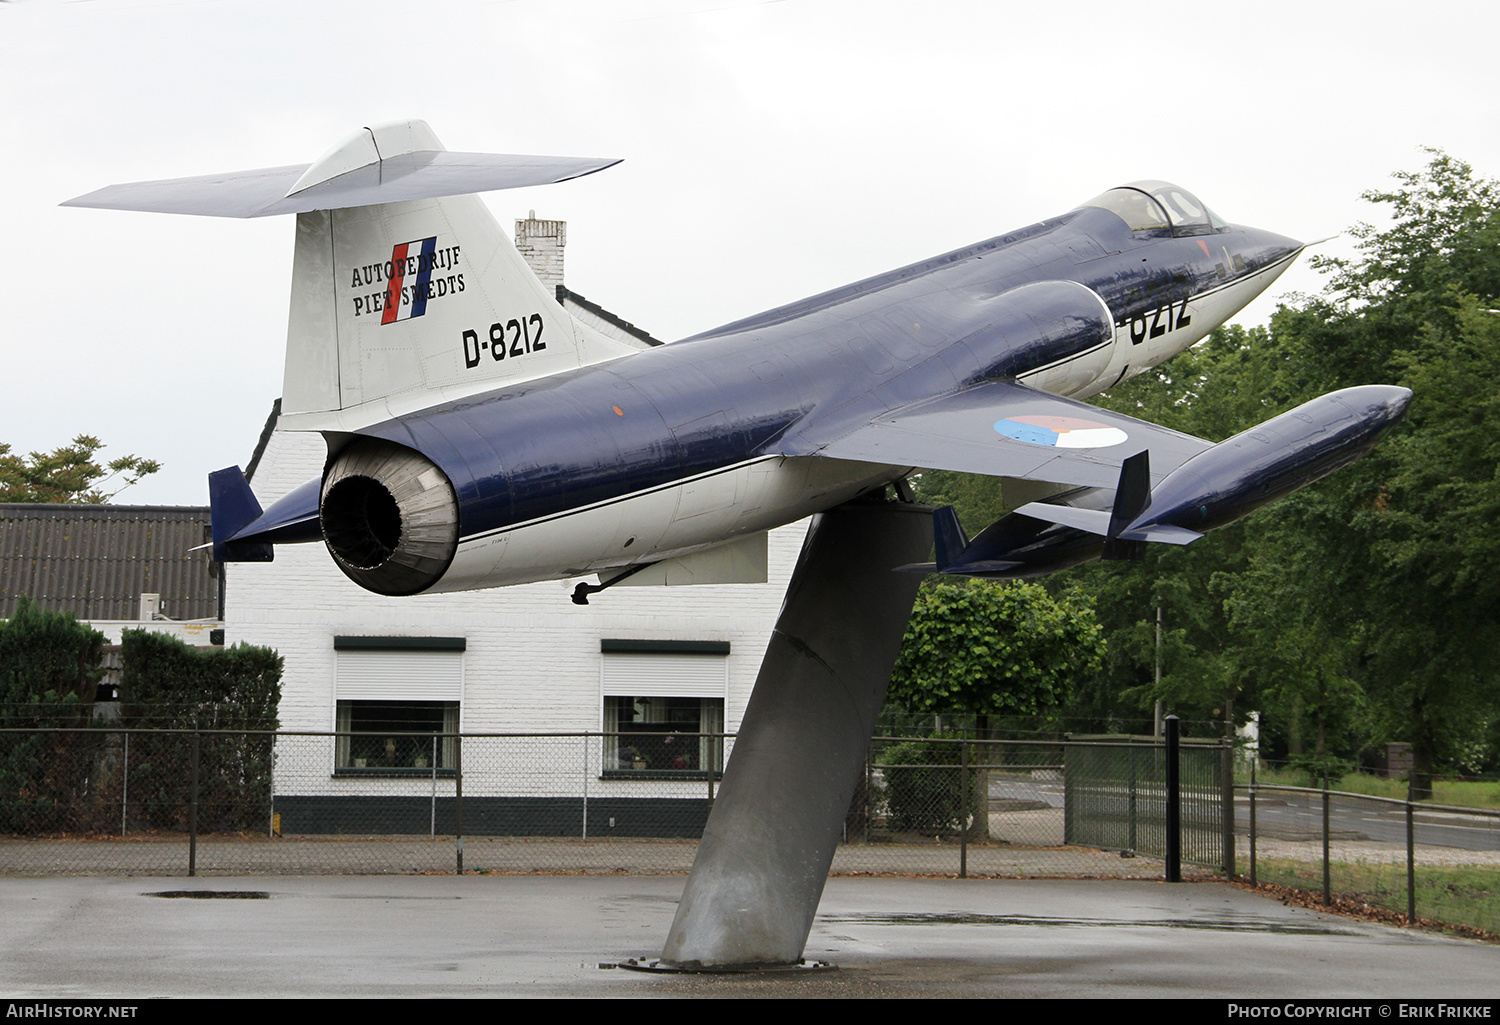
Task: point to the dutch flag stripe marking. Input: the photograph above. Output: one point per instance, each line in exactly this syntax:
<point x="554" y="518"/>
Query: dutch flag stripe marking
<point x="393" y="305"/>
<point x="424" y="275"/>
<point x="410" y="276"/>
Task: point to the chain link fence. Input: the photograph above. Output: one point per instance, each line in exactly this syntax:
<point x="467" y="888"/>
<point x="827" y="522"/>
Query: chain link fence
<point x="1117" y="798"/>
<point x="169" y="802"/>
<point x="1415" y="860"/>
<point x="182" y="802"/>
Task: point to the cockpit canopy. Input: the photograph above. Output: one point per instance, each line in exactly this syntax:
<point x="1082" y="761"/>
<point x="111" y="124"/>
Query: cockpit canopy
<point x="1159" y="207"/>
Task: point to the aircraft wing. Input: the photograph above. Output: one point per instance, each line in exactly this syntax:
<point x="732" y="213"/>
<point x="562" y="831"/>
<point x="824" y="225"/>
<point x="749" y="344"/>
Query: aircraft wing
<point x="1004" y="429"/>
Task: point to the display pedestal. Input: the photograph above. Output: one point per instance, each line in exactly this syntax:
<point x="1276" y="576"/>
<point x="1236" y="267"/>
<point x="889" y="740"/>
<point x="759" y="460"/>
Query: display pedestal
<point x="770" y="839"/>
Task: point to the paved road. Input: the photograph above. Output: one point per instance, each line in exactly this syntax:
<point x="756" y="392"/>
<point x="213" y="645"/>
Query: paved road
<point x="548" y="937"/>
<point x="1299" y="816"/>
<point x="1283" y="814"/>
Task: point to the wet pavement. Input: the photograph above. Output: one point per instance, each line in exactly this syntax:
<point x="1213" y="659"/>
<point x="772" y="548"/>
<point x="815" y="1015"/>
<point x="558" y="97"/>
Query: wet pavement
<point x="547" y="936"/>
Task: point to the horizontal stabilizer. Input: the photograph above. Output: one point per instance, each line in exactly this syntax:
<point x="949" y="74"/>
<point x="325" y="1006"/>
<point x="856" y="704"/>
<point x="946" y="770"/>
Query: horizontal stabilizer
<point x="1095" y="521"/>
<point x="385" y="164"/>
<point x="1131" y="496"/>
<point x="1163" y="533"/>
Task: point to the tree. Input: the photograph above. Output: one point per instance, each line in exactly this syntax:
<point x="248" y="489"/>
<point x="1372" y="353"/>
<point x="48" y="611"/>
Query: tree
<point x="994" y="649"/>
<point x="978" y="500"/>
<point x="989" y="649"/>
<point x="1227" y="383"/>
<point x="68" y="474"/>
<point x="1360" y="609"/>
<point x="1396" y="554"/>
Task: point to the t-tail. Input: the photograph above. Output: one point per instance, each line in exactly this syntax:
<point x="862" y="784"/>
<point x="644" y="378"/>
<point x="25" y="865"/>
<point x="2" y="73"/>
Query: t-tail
<point x="405" y="293"/>
<point x="405" y="290"/>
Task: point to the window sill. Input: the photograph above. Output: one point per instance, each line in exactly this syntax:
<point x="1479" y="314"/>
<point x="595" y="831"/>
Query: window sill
<point x="399" y="772"/>
<point x="657" y="774"/>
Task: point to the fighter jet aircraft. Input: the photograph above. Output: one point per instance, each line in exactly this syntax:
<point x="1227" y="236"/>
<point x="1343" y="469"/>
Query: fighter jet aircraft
<point x="478" y="435"/>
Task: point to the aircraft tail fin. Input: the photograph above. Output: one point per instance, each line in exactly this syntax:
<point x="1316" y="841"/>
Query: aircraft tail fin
<point x="405" y="290"/>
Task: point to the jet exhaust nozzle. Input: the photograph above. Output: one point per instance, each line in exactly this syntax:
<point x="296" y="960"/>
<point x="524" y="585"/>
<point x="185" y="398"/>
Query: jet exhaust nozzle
<point x="389" y="517"/>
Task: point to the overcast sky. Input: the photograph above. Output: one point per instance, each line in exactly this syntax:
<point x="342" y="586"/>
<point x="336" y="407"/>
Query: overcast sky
<point x="772" y="150"/>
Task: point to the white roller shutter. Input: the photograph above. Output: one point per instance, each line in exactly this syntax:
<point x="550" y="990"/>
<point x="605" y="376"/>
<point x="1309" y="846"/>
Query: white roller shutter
<point x="400" y="675"/>
<point x="665" y="675"/>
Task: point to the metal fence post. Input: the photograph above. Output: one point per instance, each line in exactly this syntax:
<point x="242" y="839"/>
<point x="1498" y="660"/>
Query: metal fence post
<point x="869" y="795"/>
<point x="585" y="827"/>
<point x="1327" y="883"/>
<point x="458" y="800"/>
<point x="715" y="764"/>
<point x="125" y="785"/>
<point x="432" y="809"/>
<point x="1226" y="794"/>
<point x="1174" y="794"/>
<point x="1411" y="862"/>
<point x="1253" y="881"/>
<point x="193" y="810"/>
<point x="970" y="800"/>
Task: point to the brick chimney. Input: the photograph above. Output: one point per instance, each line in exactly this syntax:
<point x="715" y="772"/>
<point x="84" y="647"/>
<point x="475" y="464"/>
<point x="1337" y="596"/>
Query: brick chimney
<point x="541" y="246"/>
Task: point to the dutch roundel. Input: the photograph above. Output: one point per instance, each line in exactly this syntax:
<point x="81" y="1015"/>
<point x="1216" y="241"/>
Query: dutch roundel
<point x="1060" y="431"/>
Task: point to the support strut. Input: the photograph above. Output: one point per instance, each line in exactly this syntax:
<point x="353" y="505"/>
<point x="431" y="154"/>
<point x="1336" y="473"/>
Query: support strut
<point x="770" y="839"/>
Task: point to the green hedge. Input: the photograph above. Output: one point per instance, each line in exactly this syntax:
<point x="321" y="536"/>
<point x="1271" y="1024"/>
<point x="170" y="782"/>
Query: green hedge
<point x="49" y="669"/>
<point x="168" y="684"/>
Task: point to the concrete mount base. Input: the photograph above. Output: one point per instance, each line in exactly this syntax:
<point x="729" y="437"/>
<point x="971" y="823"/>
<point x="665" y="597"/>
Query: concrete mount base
<point x="776" y="822"/>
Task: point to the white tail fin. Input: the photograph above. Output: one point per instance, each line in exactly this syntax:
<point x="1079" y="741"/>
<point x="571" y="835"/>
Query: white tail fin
<point x="406" y="304"/>
<point x="405" y="291"/>
<point x="400" y="305"/>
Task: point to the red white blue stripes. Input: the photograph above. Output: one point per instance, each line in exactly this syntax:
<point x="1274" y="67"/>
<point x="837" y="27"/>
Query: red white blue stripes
<point x="411" y="273"/>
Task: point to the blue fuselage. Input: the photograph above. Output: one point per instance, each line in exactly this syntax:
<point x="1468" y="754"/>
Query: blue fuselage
<point x="713" y="401"/>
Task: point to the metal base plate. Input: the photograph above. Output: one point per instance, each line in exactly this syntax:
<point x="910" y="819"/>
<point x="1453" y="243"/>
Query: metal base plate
<point x="657" y="966"/>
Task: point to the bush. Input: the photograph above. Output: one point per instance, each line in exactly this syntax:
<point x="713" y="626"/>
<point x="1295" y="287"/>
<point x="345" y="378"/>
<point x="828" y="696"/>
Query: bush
<point x="168" y="684"/>
<point x="924" y="789"/>
<point x="49" y="669"/>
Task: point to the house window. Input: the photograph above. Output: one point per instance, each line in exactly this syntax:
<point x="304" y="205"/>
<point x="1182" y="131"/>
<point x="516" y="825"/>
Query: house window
<point x="395" y="697"/>
<point x="663" y="708"/>
<point x="663" y="735"/>
<point x="380" y="736"/>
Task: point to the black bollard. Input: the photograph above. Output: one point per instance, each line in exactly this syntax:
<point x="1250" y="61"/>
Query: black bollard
<point x="1174" y="806"/>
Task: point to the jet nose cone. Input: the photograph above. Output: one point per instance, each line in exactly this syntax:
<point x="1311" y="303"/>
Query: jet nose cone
<point x="1260" y="259"/>
<point x="1270" y="247"/>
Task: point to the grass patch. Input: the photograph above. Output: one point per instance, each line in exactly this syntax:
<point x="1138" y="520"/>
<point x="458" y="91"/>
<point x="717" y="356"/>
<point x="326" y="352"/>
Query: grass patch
<point x="1460" y="895"/>
<point x="1459" y="793"/>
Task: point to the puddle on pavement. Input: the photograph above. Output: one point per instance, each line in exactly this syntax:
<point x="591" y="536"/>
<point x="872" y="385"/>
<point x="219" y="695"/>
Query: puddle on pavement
<point x="212" y="894"/>
<point x="1216" y="924"/>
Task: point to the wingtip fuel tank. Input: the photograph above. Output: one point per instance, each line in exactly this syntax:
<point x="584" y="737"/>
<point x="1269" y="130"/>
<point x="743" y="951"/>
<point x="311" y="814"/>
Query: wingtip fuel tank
<point x="1270" y="460"/>
<point x="1217" y="486"/>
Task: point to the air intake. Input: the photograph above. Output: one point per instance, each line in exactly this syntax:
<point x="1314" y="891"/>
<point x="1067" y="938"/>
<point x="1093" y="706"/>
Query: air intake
<point x="389" y="516"/>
